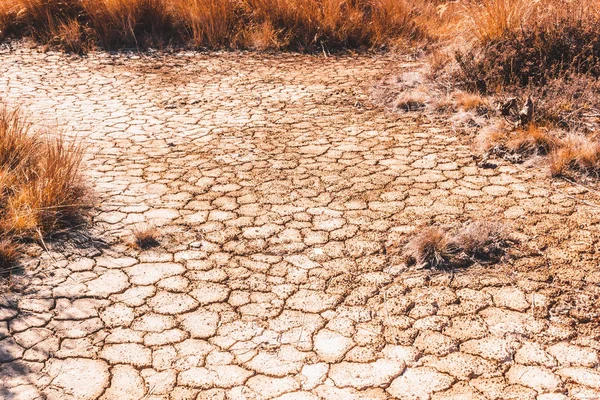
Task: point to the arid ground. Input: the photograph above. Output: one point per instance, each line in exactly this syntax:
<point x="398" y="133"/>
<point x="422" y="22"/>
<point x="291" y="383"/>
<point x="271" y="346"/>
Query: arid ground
<point x="279" y="192"/>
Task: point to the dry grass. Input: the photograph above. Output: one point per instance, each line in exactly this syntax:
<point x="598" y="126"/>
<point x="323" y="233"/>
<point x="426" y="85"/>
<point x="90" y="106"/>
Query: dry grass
<point x="41" y="189"/>
<point x="471" y="101"/>
<point x="483" y="241"/>
<point x="480" y="241"/>
<point x="532" y="140"/>
<point x="9" y="256"/>
<point x="429" y="247"/>
<point x="145" y="237"/>
<point x="577" y="153"/>
<point x="410" y="101"/>
<point x="262" y="24"/>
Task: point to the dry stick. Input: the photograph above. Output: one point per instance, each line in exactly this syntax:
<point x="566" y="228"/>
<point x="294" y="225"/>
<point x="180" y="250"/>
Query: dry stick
<point x="593" y="191"/>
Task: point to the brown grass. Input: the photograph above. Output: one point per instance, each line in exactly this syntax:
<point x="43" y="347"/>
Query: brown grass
<point x="429" y="247"/>
<point x="532" y="140"/>
<point x="145" y="237"/>
<point x="9" y="256"/>
<point x="471" y="101"/>
<point x="577" y="153"/>
<point x="41" y="189"/>
<point x="480" y="241"/>
<point x="262" y="24"/>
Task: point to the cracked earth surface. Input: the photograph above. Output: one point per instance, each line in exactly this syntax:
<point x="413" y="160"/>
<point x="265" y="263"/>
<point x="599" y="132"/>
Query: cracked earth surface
<point x="278" y="191"/>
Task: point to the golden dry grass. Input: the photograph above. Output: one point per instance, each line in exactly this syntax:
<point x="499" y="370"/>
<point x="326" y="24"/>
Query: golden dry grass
<point x="41" y="189"/>
<point x="532" y="139"/>
<point x="261" y="24"/>
<point x="144" y="237"/>
<point x="578" y="153"/>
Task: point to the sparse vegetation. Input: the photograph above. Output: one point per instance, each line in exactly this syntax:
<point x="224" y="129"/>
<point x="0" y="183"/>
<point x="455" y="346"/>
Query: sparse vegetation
<point x="41" y="189"/>
<point x="145" y="237"/>
<point x="481" y="241"/>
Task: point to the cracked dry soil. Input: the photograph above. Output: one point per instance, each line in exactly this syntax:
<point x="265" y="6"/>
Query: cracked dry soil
<point x="277" y="188"/>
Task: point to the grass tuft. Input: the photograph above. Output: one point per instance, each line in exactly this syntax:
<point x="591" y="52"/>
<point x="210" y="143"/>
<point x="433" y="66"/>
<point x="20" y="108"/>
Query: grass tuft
<point x="145" y="237"/>
<point x="41" y="189"/>
<point x="479" y="242"/>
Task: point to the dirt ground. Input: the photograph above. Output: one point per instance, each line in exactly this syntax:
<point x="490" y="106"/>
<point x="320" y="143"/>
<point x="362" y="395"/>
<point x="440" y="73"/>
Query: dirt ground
<point x="279" y="191"/>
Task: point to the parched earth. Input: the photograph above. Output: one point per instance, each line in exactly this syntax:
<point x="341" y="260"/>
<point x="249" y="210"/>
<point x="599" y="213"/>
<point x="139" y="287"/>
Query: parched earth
<point x="280" y="193"/>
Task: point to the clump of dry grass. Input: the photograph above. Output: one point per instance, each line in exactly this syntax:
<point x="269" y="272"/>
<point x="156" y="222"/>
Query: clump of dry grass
<point x="483" y="241"/>
<point x="41" y="189"/>
<point x="577" y="153"/>
<point x="480" y="241"/>
<point x="410" y="101"/>
<point x="9" y="256"/>
<point x="532" y="140"/>
<point x="145" y="237"/>
<point x="471" y="102"/>
<point x="429" y="247"/>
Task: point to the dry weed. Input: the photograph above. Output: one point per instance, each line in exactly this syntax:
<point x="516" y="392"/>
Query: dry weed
<point x="532" y="140"/>
<point x="41" y="189"/>
<point x="577" y="153"/>
<point x="145" y="237"/>
<point x="9" y="256"/>
<point x="479" y="242"/>
<point x="429" y="247"/>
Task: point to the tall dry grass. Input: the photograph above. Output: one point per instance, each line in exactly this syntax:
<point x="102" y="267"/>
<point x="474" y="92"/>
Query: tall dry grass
<point x="41" y="189"/>
<point x="286" y="24"/>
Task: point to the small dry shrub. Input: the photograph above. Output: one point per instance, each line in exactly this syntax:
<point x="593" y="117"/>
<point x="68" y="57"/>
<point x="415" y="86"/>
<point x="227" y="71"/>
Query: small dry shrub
<point x="71" y="37"/>
<point x="137" y="23"/>
<point x="9" y="256"/>
<point x="291" y="24"/>
<point x="471" y="102"/>
<point x="209" y="23"/>
<point x="529" y="44"/>
<point x="41" y="188"/>
<point x="481" y="241"/>
<point x="145" y="237"/>
<point x="577" y="153"/>
<point x="410" y="101"/>
<point x="532" y="140"/>
<point x="429" y="247"/>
